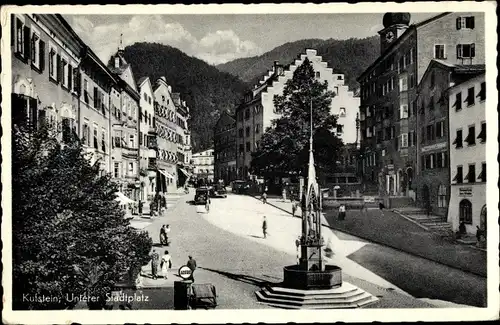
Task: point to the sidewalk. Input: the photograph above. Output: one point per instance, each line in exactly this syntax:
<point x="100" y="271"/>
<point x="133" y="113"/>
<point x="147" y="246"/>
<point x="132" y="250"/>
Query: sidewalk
<point x="394" y="231"/>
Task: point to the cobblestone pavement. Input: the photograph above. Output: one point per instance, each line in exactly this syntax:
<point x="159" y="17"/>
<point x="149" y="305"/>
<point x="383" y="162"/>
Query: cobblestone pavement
<point x="422" y="278"/>
<point x="393" y="230"/>
<point x="240" y="264"/>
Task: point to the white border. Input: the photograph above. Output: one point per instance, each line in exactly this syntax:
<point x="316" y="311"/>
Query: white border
<point x="266" y="315"/>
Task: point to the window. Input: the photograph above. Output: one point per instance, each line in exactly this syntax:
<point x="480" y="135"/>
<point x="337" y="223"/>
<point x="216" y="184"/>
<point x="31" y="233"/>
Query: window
<point x="65" y="73"/>
<point x="318" y="75"/>
<point x="117" y="170"/>
<point x="379" y="136"/>
<point x="430" y="132"/>
<point x="340" y="129"/>
<point x="404" y="140"/>
<point x="470" y="96"/>
<point x="458" y="102"/>
<point x="482" y="134"/>
<point x="459" y="175"/>
<point x="103" y="140"/>
<point x="241" y="148"/>
<point x="465" y="51"/>
<point x="403" y="83"/>
<point x="471" y="175"/>
<point x="342" y="111"/>
<point x="439" y="51"/>
<point x="145" y="97"/>
<point x="131" y="169"/>
<point x="411" y="138"/>
<point x="440" y="129"/>
<point x="52" y="64"/>
<point x="458" y="140"/>
<point x="412" y="81"/>
<point x="471" y="137"/>
<point x="465" y="211"/>
<point x="140" y="138"/>
<point x="369" y="132"/>
<point x="482" y="92"/>
<point x="404" y="111"/>
<point x="257" y="128"/>
<point x="428" y="161"/>
<point x="95" y="137"/>
<point x="482" y="175"/>
<point x="247" y="114"/>
<point x="131" y="141"/>
<point x="247" y="131"/>
<point x="86" y="96"/>
<point x="465" y="22"/>
<point x="442" y="196"/>
<point x="247" y="146"/>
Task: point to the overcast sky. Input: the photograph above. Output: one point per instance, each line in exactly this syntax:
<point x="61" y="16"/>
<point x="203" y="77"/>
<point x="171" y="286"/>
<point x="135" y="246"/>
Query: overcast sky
<point x="221" y="38"/>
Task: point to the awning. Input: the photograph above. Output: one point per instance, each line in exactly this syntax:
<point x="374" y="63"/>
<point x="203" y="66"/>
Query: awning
<point x="185" y="172"/>
<point x="123" y="199"/>
<point x="166" y="174"/>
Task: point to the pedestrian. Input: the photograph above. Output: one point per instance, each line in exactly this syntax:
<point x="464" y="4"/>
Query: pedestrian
<point x="284" y="194"/>
<point x="342" y="212"/>
<point x="166" y="263"/>
<point x="294" y="208"/>
<point x="264" y="227"/>
<point x="264" y="197"/>
<point x="191" y="263"/>
<point x="381" y="206"/>
<point x="155" y="259"/>
<point x="167" y="231"/>
<point x="479" y="234"/>
<point x="163" y="235"/>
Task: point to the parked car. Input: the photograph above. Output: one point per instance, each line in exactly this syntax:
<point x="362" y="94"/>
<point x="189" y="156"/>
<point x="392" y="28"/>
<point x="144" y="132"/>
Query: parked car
<point x="240" y="187"/>
<point x="202" y="195"/>
<point x="218" y="191"/>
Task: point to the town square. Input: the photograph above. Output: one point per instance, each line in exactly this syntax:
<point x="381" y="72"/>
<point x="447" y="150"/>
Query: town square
<point x="186" y="162"/>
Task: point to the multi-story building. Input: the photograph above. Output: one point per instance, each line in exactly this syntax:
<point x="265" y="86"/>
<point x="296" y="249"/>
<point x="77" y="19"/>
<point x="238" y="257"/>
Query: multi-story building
<point x="183" y="139"/>
<point x="58" y="80"/>
<point x="467" y="116"/>
<point x="126" y="128"/>
<point x="203" y="166"/>
<point x="225" y="148"/>
<point x="432" y="174"/>
<point x="165" y="117"/>
<point x="257" y="110"/>
<point x="147" y="139"/>
<point x="388" y="110"/>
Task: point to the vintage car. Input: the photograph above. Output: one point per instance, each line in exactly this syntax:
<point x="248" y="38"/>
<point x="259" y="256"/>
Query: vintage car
<point x="218" y="191"/>
<point x="202" y="195"/>
<point x="240" y="187"/>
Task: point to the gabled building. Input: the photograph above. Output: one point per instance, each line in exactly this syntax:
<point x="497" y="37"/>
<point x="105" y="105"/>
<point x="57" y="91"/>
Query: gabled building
<point x="388" y="111"/>
<point x="225" y="148"/>
<point x="126" y="128"/>
<point x="183" y="139"/>
<point x="257" y="110"/>
<point x="203" y="166"/>
<point x="165" y="126"/>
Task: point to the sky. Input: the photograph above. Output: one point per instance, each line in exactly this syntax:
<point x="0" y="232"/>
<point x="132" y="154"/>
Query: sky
<point x="221" y="38"/>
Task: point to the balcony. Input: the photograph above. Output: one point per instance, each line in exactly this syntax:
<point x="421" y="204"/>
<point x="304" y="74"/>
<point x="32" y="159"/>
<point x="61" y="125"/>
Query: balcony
<point x="129" y="152"/>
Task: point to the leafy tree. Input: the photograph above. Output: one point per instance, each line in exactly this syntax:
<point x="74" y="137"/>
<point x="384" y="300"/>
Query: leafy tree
<point x="284" y="146"/>
<point x="69" y="235"/>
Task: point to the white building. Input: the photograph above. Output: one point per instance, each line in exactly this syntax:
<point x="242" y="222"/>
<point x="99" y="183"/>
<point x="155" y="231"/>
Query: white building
<point x="203" y="165"/>
<point x="467" y="120"/>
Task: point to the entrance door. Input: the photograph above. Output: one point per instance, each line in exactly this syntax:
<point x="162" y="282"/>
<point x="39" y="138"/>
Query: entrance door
<point x="482" y="220"/>
<point x="426" y="197"/>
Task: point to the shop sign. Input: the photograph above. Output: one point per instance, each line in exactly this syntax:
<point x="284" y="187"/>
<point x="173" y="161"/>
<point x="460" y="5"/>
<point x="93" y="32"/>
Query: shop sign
<point x="465" y="191"/>
<point x="437" y="146"/>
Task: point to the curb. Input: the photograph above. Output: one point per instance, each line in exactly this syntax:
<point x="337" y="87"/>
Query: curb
<point x="385" y="244"/>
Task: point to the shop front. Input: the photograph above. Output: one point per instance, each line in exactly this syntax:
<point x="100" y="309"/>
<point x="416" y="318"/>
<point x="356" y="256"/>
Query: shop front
<point x="468" y="205"/>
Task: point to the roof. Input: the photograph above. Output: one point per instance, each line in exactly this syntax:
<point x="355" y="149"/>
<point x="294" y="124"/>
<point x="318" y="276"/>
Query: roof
<point x="471" y="69"/>
<point x="142" y="80"/>
<point x="398" y="41"/>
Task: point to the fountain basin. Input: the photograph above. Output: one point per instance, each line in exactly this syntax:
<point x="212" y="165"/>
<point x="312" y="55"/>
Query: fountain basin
<point x="297" y="278"/>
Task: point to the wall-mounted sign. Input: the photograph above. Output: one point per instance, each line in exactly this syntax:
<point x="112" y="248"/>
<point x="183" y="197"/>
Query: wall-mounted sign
<point x="437" y="146"/>
<point x="465" y="191"/>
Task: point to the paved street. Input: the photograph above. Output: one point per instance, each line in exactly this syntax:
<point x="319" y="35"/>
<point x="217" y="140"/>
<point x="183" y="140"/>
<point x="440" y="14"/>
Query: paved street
<point x="407" y="271"/>
<point x="231" y="254"/>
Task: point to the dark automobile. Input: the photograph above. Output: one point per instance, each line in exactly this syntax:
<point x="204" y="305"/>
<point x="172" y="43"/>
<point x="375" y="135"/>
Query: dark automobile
<point x="201" y="195"/>
<point x="218" y="191"/>
<point x="240" y="187"/>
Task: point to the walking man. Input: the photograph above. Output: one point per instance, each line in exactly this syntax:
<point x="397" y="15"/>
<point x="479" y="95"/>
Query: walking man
<point x="381" y="206"/>
<point x="191" y="263"/>
<point x="264" y="227"/>
<point x="155" y="259"/>
<point x="264" y="197"/>
<point x="294" y="207"/>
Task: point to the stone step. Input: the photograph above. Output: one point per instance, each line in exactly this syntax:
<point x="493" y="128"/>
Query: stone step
<point x="345" y="296"/>
<point x="361" y="300"/>
<point x="346" y="288"/>
<point x="436" y="224"/>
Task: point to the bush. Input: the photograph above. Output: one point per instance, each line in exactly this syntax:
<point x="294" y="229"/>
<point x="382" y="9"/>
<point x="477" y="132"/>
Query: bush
<point x="69" y="235"/>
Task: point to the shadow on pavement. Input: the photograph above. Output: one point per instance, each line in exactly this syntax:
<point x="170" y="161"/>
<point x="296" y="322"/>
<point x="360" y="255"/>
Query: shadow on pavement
<point x="259" y="237"/>
<point x="243" y="278"/>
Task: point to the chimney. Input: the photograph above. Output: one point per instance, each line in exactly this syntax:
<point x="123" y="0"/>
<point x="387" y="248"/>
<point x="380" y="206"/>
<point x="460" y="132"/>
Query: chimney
<point x="169" y="89"/>
<point x="117" y="62"/>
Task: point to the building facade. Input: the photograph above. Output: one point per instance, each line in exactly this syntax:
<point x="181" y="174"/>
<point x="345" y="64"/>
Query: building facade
<point x="203" y="166"/>
<point x="467" y="115"/>
<point x="257" y="110"/>
<point x="433" y="173"/>
<point x="225" y="148"/>
<point x="388" y="111"/>
<point x="126" y="150"/>
<point x="165" y="117"/>
<point x="183" y="140"/>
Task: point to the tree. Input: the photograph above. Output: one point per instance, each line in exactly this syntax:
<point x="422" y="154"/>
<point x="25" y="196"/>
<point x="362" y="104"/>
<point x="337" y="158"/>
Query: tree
<point x="284" y="146"/>
<point x="69" y="235"/>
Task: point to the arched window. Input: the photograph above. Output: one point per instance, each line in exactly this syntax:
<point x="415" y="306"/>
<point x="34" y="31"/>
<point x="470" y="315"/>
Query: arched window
<point x="442" y="192"/>
<point x="465" y="211"/>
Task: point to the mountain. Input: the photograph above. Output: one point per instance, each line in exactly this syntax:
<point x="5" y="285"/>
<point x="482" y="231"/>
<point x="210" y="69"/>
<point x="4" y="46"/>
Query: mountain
<point x="206" y="90"/>
<point x="351" y="57"/>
